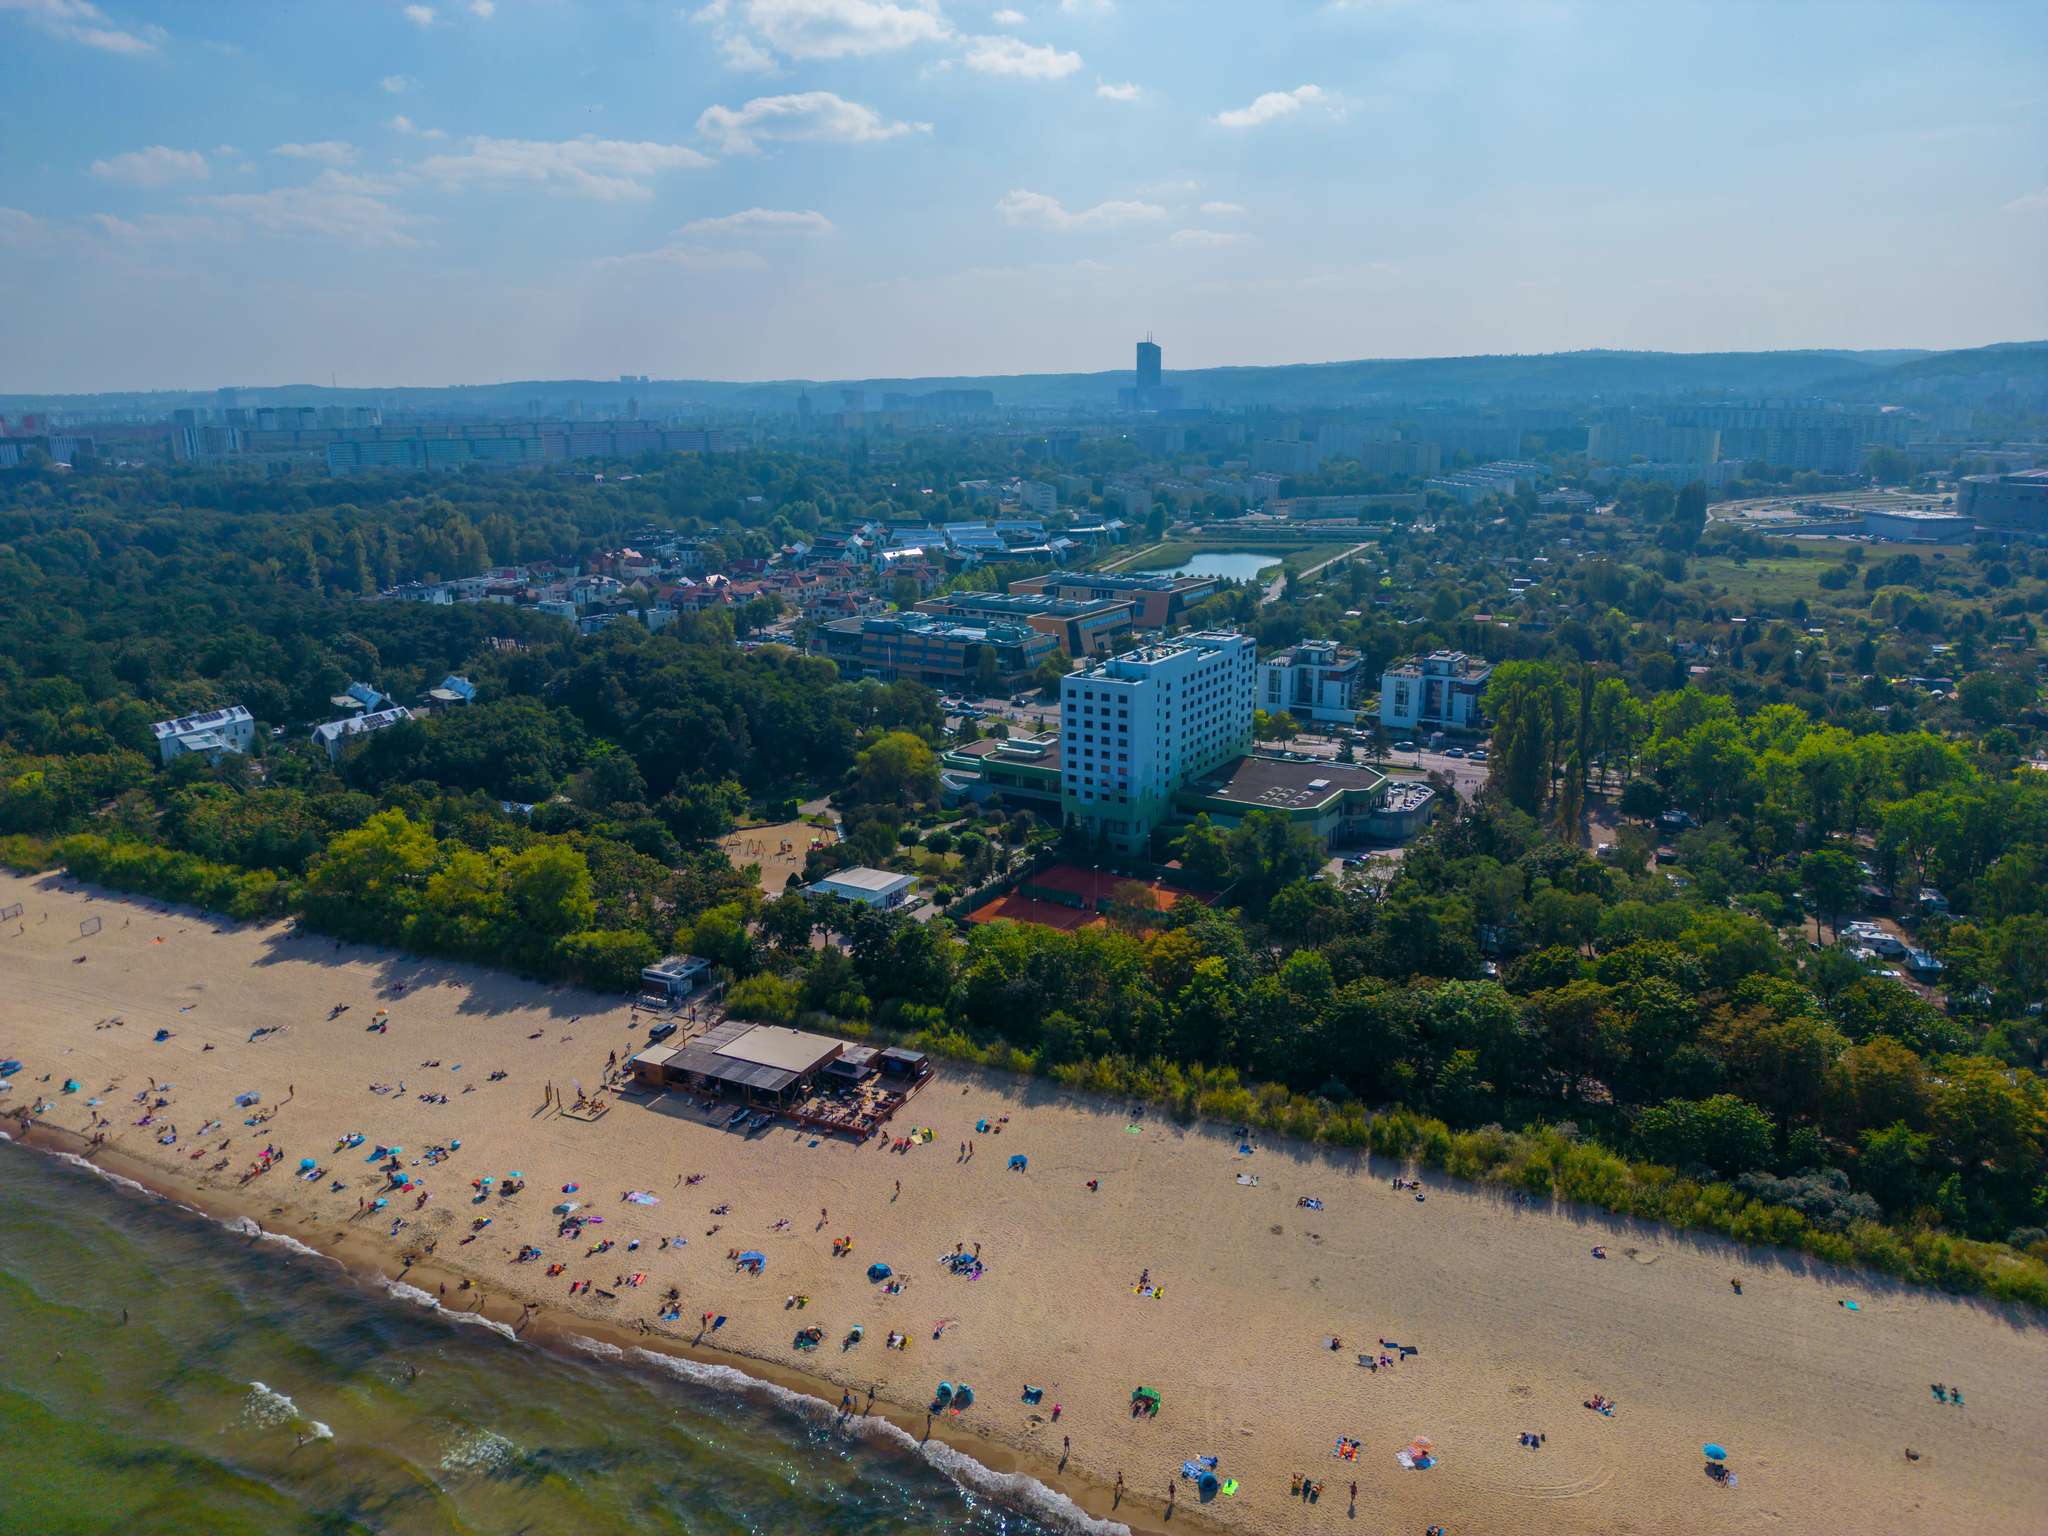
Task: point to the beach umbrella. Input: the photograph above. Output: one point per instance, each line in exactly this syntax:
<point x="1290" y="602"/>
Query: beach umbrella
<point x="1714" y="1452"/>
<point x="307" y="1162"/>
<point x="753" y="1256"/>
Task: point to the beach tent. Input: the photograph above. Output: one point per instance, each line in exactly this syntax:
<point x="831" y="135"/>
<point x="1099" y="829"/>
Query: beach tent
<point x="9" y="1067"/>
<point x="944" y="1395"/>
<point x="1018" y="1162"/>
<point x="879" y="1271"/>
<point x="963" y="1397"/>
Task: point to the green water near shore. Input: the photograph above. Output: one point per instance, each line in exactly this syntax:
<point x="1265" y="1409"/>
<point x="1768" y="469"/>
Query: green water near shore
<point x="258" y="1389"/>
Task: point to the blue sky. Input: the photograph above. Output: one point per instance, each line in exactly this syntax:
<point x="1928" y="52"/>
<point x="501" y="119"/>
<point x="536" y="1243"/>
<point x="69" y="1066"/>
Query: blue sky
<point x="239" y="192"/>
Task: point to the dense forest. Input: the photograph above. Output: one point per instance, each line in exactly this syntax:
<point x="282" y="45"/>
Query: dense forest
<point x="1676" y="1032"/>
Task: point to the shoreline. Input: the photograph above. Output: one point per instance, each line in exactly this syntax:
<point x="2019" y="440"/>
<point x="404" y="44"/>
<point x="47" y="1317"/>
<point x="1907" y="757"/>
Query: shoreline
<point x="547" y="1327"/>
<point x="1516" y="1323"/>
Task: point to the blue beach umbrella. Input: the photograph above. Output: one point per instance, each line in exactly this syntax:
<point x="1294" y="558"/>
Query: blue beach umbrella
<point x="1714" y="1452"/>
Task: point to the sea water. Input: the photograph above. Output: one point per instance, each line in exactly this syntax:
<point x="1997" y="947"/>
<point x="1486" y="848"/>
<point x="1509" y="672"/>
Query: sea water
<point x="256" y="1387"/>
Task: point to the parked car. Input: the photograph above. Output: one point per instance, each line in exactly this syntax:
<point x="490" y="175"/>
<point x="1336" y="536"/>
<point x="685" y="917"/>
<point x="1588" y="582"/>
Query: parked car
<point x="1479" y="754"/>
<point x="1404" y="746"/>
<point x="1454" y="751"/>
<point x="661" y="1031"/>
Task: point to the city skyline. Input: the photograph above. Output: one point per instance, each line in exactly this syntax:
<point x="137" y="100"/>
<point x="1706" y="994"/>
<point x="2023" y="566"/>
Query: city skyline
<point x="397" y="195"/>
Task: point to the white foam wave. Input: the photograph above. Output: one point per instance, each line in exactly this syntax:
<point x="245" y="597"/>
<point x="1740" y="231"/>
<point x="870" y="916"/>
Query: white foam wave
<point x="1017" y="1490"/>
<point x="477" y="1450"/>
<point x="112" y="1178"/>
<point x="597" y="1347"/>
<point x="247" y="1226"/>
<point x="419" y="1298"/>
<point x="268" y="1408"/>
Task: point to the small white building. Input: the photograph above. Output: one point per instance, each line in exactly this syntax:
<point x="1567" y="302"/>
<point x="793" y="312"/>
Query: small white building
<point x="336" y="734"/>
<point x="216" y="731"/>
<point x="874" y="887"/>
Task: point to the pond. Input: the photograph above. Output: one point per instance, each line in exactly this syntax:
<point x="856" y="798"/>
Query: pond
<point x="1228" y="564"/>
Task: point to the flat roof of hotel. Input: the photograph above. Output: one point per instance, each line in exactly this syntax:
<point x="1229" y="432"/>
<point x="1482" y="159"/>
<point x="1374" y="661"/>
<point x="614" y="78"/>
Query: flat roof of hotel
<point x="1275" y="784"/>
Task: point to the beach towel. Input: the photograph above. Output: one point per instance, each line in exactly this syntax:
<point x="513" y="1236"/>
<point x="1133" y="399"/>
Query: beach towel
<point x="1251" y="1179"/>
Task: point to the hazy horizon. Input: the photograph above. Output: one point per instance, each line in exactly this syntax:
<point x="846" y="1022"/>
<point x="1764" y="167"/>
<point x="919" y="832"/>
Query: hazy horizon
<point x="401" y="195"/>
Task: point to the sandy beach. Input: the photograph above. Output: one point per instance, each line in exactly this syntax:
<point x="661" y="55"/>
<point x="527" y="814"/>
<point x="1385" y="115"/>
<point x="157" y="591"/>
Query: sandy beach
<point x="1513" y="1321"/>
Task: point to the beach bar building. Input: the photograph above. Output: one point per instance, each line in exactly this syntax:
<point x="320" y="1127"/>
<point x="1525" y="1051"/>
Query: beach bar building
<point x="757" y="1063"/>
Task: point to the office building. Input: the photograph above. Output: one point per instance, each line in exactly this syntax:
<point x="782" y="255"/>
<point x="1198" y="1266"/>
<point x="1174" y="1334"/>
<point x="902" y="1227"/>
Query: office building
<point x="934" y="650"/>
<point x="205" y="735"/>
<point x="1437" y="692"/>
<point x="1918" y="525"/>
<point x="1079" y="627"/>
<point x="1651" y="437"/>
<point x="1149" y="392"/>
<point x="1314" y="681"/>
<point x="1157" y="602"/>
<point x="1135" y="728"/>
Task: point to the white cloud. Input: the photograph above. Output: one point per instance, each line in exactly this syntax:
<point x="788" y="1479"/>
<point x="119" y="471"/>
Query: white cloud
<point x="155" y="228"/>
<point x="2029" y="202"/>
<point x="403" y="124"/>
<point x="1205" y="237"/>
<point x="1271" y="106"/>
<point x="18" y="227"/>
<point x="78" y="21"/>
<point x="690" y="258"/>
<point x="783" y="220"/>
<point x="398" y="85"/>
<point x="483" y="10"/>
<point x="1014" y="56"/>
<point x="1223" y="210"/>
<point x="420" y="15"/>
<point x="808" y="115"/>
<point x="742" y="53"/>
<point x="1182" y="188"/>
<point x="1038" y="210"/>
<point x="832" y="29"/>
<point x="156" y="166"/>
<point x="332" y="206"/>
<point x="1128" y="91"/>
<point x="332" y="152"/>
<point x="607" y="169"/>
<point x="1009" y="18"/>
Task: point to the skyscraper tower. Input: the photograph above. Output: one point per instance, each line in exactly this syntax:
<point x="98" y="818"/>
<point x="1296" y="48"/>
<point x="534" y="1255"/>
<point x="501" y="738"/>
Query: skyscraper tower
<point x="1148" y="365"/>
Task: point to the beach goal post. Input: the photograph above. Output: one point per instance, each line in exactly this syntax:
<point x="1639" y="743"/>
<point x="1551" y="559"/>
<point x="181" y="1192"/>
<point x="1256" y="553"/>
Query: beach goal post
<point x="88" y="926"/>
<point x="10" y="912"/>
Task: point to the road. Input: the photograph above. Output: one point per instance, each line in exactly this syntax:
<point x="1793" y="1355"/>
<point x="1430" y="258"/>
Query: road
<point x="1279" y="583"/>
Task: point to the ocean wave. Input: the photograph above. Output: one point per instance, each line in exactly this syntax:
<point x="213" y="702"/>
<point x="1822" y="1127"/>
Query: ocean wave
<point x="112" y="1178"/>
<point x="246" y="1226"/>
<point x="597" y="1347"/>
<point x="268" y="1408"/>
<point x="419" y="1298"/>
<point x="1016" y="1490"/>
<point x="478" y="1450"/>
